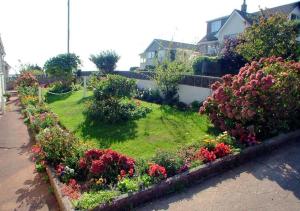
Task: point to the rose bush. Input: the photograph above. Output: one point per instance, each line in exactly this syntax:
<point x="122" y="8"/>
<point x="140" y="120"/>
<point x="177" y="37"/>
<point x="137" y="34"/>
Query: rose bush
<point x="260" y="101"/>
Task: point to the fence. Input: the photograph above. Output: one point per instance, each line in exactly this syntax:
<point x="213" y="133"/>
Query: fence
<point x="191" y="87"/>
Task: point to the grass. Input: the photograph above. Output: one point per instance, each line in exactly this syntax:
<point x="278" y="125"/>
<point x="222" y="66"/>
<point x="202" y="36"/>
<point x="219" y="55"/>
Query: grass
<point x="164" y="128"/>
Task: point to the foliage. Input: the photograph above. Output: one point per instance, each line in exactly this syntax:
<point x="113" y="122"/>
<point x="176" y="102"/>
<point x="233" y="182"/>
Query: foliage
<point x="32" y="68"/>
<point x="107" y="164"/>
<point x="27" y="79"/>
<point x="210" y="154"/>
<point x="41" y="121"/>
<point x="167" y="77"/>
<point x="148" y="95"/>
<point x="270" y="36"/>
<point x="62" y="65"/>
<point x="133" y="69"/>
<point x="157" y="172"/>
<point x="230" y="60"/>
<point x="108" y="102"/>
<point x="197" y="64"/>
<point x="65" y="173"/>
<point x="262" y="100"/>
<point x="127" y="185"/>
<point x="29" y="100"/>
<point x="7" y="96"/>
<point x="58" y="145"/>
<point x="72" y="189"/>
<point x="170" y="161"/>
<point x="105" y="61"/>
<point x="60" y="87"/>
<point x="92" y="199"/>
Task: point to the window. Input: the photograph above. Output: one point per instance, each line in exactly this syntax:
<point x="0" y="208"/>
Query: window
<point x="294" y="17"/>
<point x="150" y="55"/>
<point x="215" y="26"/>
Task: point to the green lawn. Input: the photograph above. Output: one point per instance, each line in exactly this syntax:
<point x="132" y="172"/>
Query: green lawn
<point x="163" y="128"/>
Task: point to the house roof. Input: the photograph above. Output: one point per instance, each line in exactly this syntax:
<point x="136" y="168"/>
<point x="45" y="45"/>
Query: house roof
<point x="252" y="17"/>
<point x="172" y="45"/>
<point x="284" y="9"/>
<point x="2" y="51"/>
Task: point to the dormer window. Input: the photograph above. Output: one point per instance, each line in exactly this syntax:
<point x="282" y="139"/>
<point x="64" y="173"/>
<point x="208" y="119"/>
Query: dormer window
<point x="215" y="26"/>
<point x="294" y="17"/>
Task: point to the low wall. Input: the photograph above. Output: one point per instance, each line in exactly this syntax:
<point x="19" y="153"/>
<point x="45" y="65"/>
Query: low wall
<point x="187" y="94"/>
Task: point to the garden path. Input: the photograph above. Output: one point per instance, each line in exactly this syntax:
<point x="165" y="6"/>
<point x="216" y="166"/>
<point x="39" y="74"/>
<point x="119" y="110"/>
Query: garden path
<point x="21" y="188"/>
<point x="270" y="182"/>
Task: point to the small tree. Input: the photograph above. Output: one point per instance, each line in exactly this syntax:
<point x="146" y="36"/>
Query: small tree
<point x="62" y="65"/>
<point x="105" y="61"/>
<point x="167" y="77"/>
<point x="33" y="68"/>
<point x="272" y="36"/>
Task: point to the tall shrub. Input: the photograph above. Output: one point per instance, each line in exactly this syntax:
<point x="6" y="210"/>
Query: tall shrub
<point x="167" y="77"/>
<point x="262" y="100"/>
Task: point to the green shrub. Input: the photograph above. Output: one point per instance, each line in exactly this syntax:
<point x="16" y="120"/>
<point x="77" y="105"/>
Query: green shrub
<point x="169" y="160"/>
<point x="110" y="101"/>
<point x="145" y="181"/>
<point x="92" y="199"/>
<point x="127" y="185"/>
<point x="167" y="77"/>
<point x="44" y="120"/>
<point x="60" y="87"/>
<point x="149" y="95"/>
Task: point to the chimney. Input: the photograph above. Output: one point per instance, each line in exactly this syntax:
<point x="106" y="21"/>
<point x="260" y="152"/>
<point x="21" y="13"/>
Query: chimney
<point x="244" y="7"/>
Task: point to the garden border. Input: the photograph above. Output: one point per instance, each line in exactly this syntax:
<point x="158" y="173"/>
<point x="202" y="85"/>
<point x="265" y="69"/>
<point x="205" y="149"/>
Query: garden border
<point x="128" y="201"/>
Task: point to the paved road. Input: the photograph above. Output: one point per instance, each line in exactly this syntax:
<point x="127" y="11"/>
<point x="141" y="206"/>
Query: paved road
<point x="20" y="187"/>
<point x="271" y="182"/>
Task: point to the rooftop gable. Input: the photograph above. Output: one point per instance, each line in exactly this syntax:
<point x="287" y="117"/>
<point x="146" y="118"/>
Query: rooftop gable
<point x="166" y="44"/>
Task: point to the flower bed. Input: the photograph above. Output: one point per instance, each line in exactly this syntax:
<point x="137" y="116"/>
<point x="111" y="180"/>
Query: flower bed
<point x="98" y="178"/>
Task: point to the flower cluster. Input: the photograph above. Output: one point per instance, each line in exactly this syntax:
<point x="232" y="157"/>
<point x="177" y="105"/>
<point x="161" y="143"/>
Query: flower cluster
<point x="107" y="164"/>
<point x="208" y="155"/>
<point x="157" y="171"/>
<point x="72" y="189"/>
<point x="26" y="79"/>
<point x="260" y="99"/>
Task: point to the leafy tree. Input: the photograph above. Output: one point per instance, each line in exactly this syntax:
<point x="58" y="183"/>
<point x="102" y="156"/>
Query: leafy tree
<point x="231" y="61"/>
<point x="105" y="61"/>
<point x="33" y="68"/>
<point x="270" y="36"/>
<point x="62" y="65"/>
<point x="167" y="77"/>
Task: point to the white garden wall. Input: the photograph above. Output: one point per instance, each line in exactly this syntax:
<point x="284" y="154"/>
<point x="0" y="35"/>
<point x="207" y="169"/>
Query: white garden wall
<point x="187" y="94"/>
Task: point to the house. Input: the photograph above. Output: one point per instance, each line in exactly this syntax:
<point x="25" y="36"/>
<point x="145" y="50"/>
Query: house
<point x="160" y="50"/>
<point x="230" y="26"/>
<point x="4" y="68"/>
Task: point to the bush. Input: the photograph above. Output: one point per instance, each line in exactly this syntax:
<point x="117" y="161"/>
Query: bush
<point x="59" y="146"/>
<point x="105" y="61"/>
<point x="167" y="77"/>
<point x="157" y="172"/>
<point x="27" y="79"/>
<point x="170" y="161"/>
<point x="107" y="164"/>
<point x="259" y="102"/>
<point x="60" y="87"/>
<point x="148" y="95"/>
<point x="41" y="121"/>
<point x="110" y="102"/>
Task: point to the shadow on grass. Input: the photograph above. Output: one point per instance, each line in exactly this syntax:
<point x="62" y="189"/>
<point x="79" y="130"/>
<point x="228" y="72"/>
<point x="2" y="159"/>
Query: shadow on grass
<point x="50" y="98"/>
<point x="85" y="99"/>
<point x="106" y="134"/>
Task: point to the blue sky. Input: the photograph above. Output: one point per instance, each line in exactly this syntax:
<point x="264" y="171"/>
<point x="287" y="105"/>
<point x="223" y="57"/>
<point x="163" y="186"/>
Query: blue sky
<point x="34" y="30"/>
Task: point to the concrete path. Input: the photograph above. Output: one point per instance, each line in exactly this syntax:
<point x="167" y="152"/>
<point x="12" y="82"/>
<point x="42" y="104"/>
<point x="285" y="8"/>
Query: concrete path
<point x="21" y="188"/>
<point x="270" y="182"/>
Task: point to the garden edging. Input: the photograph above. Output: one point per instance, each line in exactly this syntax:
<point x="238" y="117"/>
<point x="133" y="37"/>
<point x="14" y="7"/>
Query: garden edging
<point x="127" y="201"/>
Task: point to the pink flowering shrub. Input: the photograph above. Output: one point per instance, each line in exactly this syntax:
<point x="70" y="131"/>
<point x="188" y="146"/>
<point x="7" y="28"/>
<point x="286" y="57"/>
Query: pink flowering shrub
<point x="262" y="100"/>
<point x="210" y="154"/>
<point x="157" y="172"/>
<point x="107" y="164"/>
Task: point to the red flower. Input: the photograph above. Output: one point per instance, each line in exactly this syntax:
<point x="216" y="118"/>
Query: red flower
<point x="156" y="170"/>
<point x="205" y="155"/>
<point x="222" y="150"/>
<point x="123" y="173"/>
<point x="82" y="163"/>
